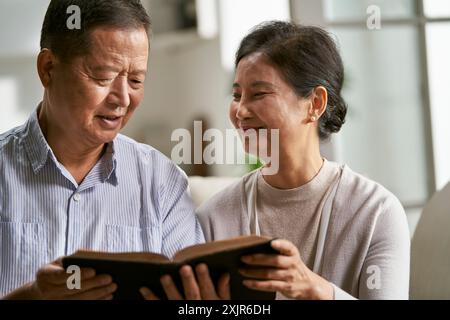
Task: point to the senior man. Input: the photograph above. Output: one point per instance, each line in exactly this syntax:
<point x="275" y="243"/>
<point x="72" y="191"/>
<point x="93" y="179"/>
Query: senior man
<point x="68" y="179"/>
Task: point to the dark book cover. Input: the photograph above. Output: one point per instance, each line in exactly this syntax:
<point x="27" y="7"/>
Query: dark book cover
<point x="132" y="274"/>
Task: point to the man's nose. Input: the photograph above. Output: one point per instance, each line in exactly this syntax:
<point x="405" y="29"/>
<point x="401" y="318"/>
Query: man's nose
<point x="120" y="92"/>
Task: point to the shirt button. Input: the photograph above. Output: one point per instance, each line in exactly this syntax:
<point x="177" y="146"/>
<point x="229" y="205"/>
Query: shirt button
<point x="76" y="197"/>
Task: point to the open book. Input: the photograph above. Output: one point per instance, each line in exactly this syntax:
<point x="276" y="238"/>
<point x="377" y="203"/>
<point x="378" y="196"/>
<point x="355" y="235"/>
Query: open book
<point x="131" y="271"/>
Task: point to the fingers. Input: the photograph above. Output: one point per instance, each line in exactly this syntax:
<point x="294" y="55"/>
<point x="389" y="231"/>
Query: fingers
<point x="93" y="283"/>
<point x="191" y="289"/>
<point x="195" y="288"/>
<point x="87" y="273"/>
<point x="56" y="275"/>
<point x="58" y="262"/>
<point x="291" y="290"/>
<point x="267" y="286"/>
<point x="95" y="294"/>
<point x="52" y="274"/>
<point x="269" y="260"/>
<point x="288" y="256"/>
<point x="207" y="290"/>
<point x="170" y="289"/>
<point x="223" y="287"/>
<point x="148" y="294"/>
<point x="267" y="273"/>
<point x="285" y="247"/>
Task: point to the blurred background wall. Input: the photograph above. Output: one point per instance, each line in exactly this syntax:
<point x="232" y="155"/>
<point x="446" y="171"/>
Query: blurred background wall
<point x="397" y="79"/>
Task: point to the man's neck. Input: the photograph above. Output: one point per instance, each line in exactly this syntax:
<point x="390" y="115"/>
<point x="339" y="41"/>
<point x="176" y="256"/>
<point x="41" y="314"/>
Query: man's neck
<point x="77" y="158"/>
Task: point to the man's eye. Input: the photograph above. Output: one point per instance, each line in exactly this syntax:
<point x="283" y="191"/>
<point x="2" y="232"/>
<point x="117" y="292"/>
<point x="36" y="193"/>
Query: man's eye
<point x="236" y="96"/>
<point x="104" y="81"/>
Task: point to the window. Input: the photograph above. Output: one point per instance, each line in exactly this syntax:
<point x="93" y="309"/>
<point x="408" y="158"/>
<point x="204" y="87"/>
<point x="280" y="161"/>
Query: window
<point x="396" y="85"/>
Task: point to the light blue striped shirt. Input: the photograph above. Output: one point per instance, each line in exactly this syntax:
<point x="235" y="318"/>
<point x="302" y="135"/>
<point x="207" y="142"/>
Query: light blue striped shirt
<point x="134" y="199"/>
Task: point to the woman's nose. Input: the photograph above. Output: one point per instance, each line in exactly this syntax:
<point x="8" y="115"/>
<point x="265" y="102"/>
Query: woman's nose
<point x="242" y="111"/>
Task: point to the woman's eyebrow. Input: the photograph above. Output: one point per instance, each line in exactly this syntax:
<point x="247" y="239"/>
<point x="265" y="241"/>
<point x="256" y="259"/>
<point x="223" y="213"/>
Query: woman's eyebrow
<point x="262" y="84"/>
<point x="258" y="83"/>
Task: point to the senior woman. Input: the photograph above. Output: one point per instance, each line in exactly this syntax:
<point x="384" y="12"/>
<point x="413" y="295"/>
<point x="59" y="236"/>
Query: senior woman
<point x="345" y="236"/>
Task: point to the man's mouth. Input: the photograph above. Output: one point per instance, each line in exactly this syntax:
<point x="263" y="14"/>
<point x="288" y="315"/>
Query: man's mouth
<point x="111" y="118"/>
<point x="110" y="121"/>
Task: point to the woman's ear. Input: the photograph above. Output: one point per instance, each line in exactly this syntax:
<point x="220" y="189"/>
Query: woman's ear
<point x="45" y="63"/>
<point x="319" y="101"/>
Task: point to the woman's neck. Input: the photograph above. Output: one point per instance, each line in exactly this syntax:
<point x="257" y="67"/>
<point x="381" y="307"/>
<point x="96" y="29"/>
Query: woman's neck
<point x="295" y="170"/>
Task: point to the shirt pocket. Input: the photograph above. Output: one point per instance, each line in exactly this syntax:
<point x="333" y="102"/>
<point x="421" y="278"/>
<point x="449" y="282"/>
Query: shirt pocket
<point x="23" y="250"/>
<point x="128" y="239"/>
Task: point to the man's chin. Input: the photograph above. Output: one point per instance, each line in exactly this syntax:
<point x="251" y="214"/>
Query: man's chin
<point x="106" y="137"/>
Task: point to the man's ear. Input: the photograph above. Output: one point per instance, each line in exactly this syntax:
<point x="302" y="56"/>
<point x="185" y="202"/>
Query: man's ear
<point x="45" y="64"/>
<point x="319" y="101"/>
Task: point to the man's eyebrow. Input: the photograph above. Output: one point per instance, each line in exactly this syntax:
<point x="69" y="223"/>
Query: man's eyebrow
<point x="107" y="68"/>
<point x="139" y="72"/>
<point x="104" y="68"/>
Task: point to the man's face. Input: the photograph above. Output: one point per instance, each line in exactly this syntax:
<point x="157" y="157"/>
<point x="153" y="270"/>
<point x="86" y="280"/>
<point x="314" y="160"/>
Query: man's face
<point x="93" y="96"/>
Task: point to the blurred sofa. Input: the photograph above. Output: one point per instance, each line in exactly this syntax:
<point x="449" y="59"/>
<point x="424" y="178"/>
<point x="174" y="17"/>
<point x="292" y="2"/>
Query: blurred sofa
<point x="203" y="188"/>
<point x="430" y="250"/>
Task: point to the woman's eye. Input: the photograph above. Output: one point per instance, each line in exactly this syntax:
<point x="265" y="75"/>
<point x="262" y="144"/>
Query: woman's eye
<point x="236" y="96"/>
<point x="260" y="94"/>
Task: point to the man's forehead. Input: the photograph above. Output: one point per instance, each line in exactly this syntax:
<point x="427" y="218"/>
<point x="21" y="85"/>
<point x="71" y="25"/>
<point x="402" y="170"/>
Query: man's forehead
<point x="111" y="35"/>
<point x="112" y="50"/>
<point x="104" y="67"/>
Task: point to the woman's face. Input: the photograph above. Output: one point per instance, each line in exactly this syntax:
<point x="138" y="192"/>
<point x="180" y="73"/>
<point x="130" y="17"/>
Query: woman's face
<point x="262" y="99"/>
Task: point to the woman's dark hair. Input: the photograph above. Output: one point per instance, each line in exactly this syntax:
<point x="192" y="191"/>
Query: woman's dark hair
<point x="67" y="43"/>
<point x="307" y="57"/>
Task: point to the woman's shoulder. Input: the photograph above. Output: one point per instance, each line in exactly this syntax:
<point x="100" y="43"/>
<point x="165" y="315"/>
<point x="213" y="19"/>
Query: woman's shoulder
<point x="360" y="192"/>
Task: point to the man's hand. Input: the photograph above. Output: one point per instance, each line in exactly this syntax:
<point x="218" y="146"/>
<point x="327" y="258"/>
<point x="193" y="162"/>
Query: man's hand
<point x="201" y="288"/>
<point x="51" y="284"/>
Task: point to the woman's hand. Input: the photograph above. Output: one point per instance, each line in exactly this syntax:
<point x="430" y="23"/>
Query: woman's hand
<point x="200" y="289"/>
<point x="285" y="273"/>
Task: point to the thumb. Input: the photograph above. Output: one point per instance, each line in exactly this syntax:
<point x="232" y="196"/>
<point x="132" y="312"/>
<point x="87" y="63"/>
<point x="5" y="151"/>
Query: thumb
<point x="58" y="262"/>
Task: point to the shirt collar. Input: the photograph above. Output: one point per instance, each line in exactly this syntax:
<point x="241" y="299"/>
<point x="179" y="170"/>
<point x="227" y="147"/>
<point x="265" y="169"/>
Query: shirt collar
<point x="39" y="151"/>
<point x="108" y="164"/>
<point x="35" y="143"/>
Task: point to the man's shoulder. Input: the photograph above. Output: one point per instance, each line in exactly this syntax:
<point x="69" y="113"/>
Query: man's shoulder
<point x="145" y="154"/>
<point x="12" y="136"/>
<point x="126" y="144"/>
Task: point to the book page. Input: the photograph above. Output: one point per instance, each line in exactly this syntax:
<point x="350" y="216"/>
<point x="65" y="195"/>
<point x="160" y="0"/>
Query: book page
<point x="126" y="256"/>
<point x="207" y="248"/>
